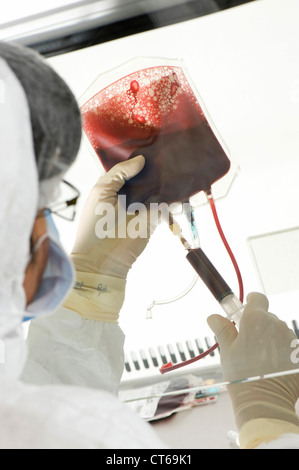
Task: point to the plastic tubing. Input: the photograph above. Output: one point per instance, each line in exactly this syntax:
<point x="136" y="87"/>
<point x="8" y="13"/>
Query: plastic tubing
<point x="232" y="306"/>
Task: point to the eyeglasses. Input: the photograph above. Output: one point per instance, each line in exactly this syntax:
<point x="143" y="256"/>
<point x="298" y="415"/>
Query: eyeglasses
<point x="65" y="208"/>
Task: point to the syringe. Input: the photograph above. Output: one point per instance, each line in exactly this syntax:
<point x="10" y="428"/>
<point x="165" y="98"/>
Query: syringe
<point x="216" y="284"/>
<point x="224" y="295"/>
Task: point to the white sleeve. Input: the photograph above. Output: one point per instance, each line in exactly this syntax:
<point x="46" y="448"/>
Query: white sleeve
<point x="63" y="348"/>
<point x="68" y="417"/>
<point x="77" y="362"/>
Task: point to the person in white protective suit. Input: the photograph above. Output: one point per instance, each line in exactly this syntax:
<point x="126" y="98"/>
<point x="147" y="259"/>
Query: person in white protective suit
<point x="39" y="139"/>
<point x="62" y="392"/>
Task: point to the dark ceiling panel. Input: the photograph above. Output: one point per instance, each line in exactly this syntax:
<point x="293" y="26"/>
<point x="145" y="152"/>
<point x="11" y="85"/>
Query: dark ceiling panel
<point x="136" y="24"/>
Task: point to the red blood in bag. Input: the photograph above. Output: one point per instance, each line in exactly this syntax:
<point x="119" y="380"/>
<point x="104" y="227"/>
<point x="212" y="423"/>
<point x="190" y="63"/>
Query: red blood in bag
<point x="139" y="119"/>
<point x="173" y="89"/>
<point x="154" y="112"/>
<point x="134" y="87"/>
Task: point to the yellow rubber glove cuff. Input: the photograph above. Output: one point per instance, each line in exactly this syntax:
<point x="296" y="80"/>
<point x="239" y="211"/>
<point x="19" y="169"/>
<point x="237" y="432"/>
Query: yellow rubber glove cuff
<point x="262" y="430"/>
<point x="97" y="297"/>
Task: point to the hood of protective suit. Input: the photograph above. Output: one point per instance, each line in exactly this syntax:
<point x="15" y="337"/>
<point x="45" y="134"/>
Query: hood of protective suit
<point x="18" y="200"/>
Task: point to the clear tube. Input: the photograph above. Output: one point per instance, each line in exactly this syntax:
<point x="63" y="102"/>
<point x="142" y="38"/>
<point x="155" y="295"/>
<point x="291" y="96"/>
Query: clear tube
<point x="233" y="308"/>
<point x="168" y="301"/>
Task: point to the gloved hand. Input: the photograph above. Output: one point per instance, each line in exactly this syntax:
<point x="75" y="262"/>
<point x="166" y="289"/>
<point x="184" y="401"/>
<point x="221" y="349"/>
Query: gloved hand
<point x="103" y="262"/>
<point x="264" y="409"/>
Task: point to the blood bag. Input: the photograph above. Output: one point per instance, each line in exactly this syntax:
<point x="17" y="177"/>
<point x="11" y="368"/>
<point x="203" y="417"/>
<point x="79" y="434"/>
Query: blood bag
<point x="154" y="111"/>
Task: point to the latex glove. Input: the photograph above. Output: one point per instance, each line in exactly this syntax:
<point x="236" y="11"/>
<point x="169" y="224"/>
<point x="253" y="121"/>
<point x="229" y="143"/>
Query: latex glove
<point x="102" y="264"/>
<point x="264" y="409"/>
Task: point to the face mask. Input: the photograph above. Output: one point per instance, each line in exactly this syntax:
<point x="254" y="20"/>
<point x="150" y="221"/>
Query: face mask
<point x="57" y="280"/>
